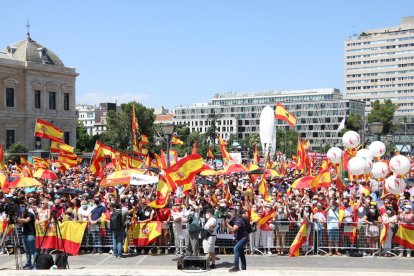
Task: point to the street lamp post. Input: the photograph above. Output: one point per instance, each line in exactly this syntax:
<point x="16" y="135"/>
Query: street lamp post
<point x="376" y="128"/>
<point x="167" y="130"/>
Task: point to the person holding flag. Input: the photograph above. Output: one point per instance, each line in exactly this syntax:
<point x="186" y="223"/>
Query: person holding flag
<point x="267" y="227"/>
<point x="389" y="222"/>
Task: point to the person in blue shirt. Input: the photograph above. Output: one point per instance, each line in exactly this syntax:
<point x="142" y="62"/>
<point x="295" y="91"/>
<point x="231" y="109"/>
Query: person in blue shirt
<point x="94" y="221"/>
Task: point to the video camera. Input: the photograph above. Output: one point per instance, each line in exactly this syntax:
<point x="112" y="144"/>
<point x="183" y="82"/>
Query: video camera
<point x="11" y="209"/>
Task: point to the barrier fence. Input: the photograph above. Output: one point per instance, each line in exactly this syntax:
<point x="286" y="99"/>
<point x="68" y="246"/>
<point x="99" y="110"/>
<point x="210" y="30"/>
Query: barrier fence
<point x="321" y="238"/>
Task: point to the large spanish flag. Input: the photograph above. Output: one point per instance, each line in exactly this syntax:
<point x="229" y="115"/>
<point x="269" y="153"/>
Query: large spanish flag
<point x="47" y="130"/>
<point x="405" y="236"/>
<point x="281" y="113"/>
<point x="184" y="170"/>
<point x="143" y="233"/>
<point x="59" y="147"/>
<point x="48" y="240"/>
<point x="298" y="241"/>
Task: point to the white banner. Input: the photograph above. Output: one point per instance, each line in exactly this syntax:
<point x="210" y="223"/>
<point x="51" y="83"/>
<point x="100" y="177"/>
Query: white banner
<point x="236" y="156"/>
<point x="142" y="179"/>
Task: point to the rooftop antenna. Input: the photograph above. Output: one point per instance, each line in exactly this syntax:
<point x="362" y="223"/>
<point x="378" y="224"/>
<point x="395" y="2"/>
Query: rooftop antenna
<point x="28" y="28"/>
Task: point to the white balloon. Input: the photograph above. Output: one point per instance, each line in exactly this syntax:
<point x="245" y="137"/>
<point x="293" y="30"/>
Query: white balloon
<point x="380" y="170"/>
<point x="357" y="165"/>
<point x="377" y="148"/>
<point x="334" y="155"/>
<point x="368" y="165"/>
<point x="365" y="153"/>
<point x="394" y="185"/>
<point x="351" y="139"/>
<point x="400" y="164"/>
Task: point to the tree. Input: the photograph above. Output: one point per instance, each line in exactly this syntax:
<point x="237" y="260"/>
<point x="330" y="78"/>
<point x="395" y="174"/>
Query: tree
<point x="286" y="135"/>
<point x="119" y="131"/>
<point x="17" y="148"/>
<point x="354" y="122"/>
<point x="383" y="112"/>
<point x="83" y="139"/>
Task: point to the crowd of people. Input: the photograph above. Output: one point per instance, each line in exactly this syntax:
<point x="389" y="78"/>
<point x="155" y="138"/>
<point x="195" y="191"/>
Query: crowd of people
<point x="233" y="198"/>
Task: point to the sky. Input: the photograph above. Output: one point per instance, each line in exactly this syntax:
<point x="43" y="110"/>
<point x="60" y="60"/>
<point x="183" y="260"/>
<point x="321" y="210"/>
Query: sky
<point x="169" y="53"/>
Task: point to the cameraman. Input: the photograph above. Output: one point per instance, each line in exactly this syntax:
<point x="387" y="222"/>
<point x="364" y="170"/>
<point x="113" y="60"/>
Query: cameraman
<point x="29" y="236"/>
<point x="236" y="224"/>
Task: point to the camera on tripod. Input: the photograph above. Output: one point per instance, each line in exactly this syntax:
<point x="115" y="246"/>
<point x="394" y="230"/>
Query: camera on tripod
<point x="11" y="209"/>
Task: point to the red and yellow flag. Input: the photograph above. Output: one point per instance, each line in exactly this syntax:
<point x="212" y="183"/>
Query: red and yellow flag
<point x="266" y="218"/>
<point x="384" y="233"/>
<point x="143" y="233"/>
<point x="162" y="194"/>
<point x="59" y="147"/>
<point x="210" y="154"/>
<point x="256" y="156"/>
<point x="405" y="236"/>
<point x="176" y="141"/>
<point x="144" y="139"/>
<point x="47" y="130"/>
<point x="321" y="180"/>
<point x="281" y="113"/>
<point x="224" y="152"/>
<point x="184" y="170"/>
<point x="298" y="241"/>
<point x="301" y="156"/>
<point x="263" y="189"/>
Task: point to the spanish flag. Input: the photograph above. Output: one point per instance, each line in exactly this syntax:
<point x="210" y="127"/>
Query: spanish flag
<point x="405" y="236"/>
<point x="263" y="190"/>
<point x="266" y="218"/>
<point x="143" y="233"/>
<point x="184" y="170"/>
<point x="162" y="194"/>
<point x="254" y="216"/>
<point x="384" y="233"/>
<point x="176" y="141"/>
<point x="301" y="156"/>
<point x="70" y="162"/>
<point x="72" y="234"/>
<point x="298" y="241"/>
<point x="210" y="154"/>
<point x="282" y="114"/>
<point x="59" y="147"/>
<point x="144" y="139"/>
<point x="135" y="163"/>
<point x="47" y="130"/>
<point x="321" y="180"/>
<point x="224" y="152"/>
<point x="256" y="156"/>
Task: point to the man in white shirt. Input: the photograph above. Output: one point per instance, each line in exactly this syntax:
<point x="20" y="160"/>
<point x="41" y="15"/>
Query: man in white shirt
<point x="210" y="242"/>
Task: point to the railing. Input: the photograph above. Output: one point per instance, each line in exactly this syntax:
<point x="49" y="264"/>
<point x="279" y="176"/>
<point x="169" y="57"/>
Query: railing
<point x="321" y="238"/>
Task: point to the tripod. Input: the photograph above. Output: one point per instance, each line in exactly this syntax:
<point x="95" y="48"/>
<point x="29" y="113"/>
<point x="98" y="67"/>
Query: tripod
<point x="58" y="236"/>
<point x="16" y="245"/>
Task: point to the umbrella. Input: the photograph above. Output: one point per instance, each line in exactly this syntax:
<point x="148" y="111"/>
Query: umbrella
<point x="122" y="177"/>
<point x="253" y="167"/>
<point x="209" y="172"/>
<point x="234" y="168"/>
<point x="69" y="191"/>
<point x="23" y="182"/>
<point x="45" y="174"/>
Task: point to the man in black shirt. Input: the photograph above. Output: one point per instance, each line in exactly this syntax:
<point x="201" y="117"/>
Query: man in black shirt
<point x="29" y="236"/>
<point x="236" y="224"/>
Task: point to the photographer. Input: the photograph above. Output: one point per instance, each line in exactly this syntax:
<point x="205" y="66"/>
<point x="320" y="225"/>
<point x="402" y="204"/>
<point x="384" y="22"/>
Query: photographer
<point x="236" y="224"/>
<point x="29" y="236"/>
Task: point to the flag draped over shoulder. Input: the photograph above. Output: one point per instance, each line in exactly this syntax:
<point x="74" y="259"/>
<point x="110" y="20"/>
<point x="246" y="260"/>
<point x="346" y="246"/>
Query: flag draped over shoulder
<point x="47" y="130"/>
<point x="281" y="113"/>
<point x="298" y="241"/>
<point x="184" y="170"/>
<point x="405" y="236"/>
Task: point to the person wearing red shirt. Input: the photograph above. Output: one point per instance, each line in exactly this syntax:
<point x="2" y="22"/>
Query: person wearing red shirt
<point x="163" y="215"/>
<point x="266" y="231"/>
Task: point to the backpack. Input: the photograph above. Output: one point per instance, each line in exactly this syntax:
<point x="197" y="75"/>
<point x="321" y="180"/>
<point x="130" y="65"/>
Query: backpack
<point x="61" y="261"/>
<point x="44" y="261"/>
<point x="194" y="225"/>
<point x="249" y="228"/>
<point x="115" y="221"/>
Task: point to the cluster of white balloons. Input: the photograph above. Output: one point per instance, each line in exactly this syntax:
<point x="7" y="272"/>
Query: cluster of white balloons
<point x="362" y="163"/>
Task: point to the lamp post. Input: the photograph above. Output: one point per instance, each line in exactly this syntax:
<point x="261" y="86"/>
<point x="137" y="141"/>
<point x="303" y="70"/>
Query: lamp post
<point x="167" y="130"/>
<point x="376" y="128"/>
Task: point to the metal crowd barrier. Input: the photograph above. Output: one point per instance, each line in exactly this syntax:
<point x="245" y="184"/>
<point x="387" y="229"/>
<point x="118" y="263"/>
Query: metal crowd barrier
<point x="322" y="238"/>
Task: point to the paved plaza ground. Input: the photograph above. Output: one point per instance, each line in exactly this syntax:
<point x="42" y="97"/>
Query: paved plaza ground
<point x="106" y="264"/>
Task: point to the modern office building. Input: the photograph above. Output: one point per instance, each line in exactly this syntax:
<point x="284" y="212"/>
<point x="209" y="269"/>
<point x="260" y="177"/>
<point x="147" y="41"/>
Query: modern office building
<point x="379" y="65"/>
<point x="319" y="113"/>
<point x="35" y="84"/>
